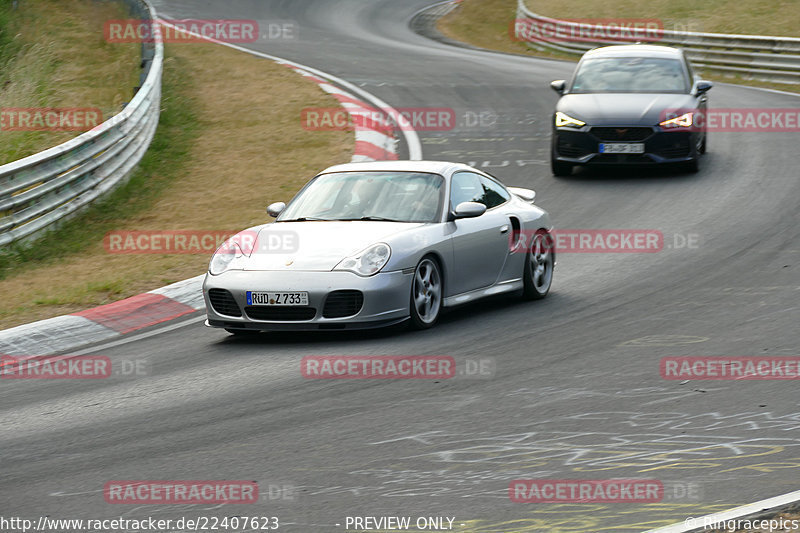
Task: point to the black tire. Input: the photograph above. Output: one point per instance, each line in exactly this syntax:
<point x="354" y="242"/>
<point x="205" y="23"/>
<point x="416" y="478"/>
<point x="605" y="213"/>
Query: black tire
<point x="539" y="262"/>
<point x="560" y="168"/>
<point x="692" y="166"/>
<point x="427" y="289"/>
<point x="703" y="145"/>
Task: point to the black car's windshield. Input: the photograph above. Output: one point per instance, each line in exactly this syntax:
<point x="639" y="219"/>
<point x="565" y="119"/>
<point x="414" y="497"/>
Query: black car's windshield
<point x="375" y="196"/>
<point x="630" y="75"/>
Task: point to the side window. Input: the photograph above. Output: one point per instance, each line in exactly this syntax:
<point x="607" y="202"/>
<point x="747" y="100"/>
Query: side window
<point x="494" y="194"/>
<point x="465" y="187"/>
<point x="471" y="187"/>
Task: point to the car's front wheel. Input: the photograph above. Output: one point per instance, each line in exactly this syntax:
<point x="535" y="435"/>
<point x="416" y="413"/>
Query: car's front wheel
<point x="426" y="294"/>
<point x="539" y="263"/>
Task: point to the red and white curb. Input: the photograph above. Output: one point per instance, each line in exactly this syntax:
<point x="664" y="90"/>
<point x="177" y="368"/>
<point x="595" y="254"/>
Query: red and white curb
<point x="714" y="521"/>
<point x="62" y="333"/>
<point x="372" y="144"/>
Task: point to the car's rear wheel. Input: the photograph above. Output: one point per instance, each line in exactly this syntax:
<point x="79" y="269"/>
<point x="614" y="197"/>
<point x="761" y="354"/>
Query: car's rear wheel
<point x="539" y="263"/>
<point x="426" y="294"/>
<point x="560" y="168"/>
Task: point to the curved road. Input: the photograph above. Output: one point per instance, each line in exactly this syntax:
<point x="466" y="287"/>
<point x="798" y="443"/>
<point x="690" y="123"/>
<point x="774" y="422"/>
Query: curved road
<point x="576" y="391"/>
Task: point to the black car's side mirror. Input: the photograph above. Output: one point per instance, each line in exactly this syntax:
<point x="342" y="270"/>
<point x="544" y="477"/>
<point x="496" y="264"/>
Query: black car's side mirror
<point x="558" y="86"/>
<point x="702" y="86"/>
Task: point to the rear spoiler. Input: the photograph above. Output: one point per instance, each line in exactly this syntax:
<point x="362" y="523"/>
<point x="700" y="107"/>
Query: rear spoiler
<point x="526" y="194"/>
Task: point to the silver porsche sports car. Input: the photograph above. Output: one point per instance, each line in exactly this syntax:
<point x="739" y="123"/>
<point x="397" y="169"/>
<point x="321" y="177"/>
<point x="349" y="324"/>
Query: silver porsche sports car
<point x="365" y="245"/>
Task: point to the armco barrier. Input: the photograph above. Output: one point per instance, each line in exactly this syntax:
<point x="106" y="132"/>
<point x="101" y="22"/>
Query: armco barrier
<point x="43" y="189"/>
<point x="775" y="59"/>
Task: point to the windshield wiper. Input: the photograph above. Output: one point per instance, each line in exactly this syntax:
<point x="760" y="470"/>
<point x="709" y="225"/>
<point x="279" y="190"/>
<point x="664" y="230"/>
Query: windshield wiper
<point x="370" y="217"/>
<point x="306" y="219"/>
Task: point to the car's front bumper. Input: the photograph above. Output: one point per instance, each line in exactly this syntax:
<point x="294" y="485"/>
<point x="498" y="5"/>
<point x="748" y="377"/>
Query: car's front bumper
<point x="385" y="300"/>
<point x="581" y="146"/>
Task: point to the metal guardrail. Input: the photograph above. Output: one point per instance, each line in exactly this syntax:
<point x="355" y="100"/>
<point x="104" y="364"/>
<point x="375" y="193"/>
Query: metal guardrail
<point x="775" y="59"/>
<point x="41" y="190"/>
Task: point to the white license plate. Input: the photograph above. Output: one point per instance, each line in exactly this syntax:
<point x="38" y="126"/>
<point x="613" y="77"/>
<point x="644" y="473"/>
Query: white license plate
<point x="621" y="148"/>
<point x="277" y="298"/>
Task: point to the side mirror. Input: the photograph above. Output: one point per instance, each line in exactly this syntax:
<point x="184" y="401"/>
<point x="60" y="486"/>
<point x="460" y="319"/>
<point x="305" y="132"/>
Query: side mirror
<point x="702" y="86"/>
<point x="276" y="209"/>
<point x="469" y="210"/>
<point x="558" y="86"/>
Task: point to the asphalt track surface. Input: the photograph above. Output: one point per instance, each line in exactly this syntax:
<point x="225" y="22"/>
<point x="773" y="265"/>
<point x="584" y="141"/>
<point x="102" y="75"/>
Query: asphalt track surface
<point x="576" y="392"/>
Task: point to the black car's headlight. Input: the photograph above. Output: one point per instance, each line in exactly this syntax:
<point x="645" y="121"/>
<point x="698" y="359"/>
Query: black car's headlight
<point x="562" y="119"/>
<point x="683" y="121"/>
<point x="368" y="261"/>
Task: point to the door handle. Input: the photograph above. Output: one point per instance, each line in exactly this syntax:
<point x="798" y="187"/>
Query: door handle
<point x="504" y="228"/>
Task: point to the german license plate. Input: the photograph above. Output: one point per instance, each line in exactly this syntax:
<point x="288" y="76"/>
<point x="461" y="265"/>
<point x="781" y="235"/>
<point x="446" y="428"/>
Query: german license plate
<point x="277" y="298"/>
<point x="621" y="148"/>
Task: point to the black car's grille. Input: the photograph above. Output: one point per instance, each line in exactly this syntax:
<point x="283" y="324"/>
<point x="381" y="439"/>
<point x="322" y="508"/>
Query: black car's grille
<point x="622" y="134"/>
<point x="567" y="149"/>
<point x="343" y="303"/>
<point x="280" y="313"/>
<point x="675" y="150"/>
<point x="223" y="303"/>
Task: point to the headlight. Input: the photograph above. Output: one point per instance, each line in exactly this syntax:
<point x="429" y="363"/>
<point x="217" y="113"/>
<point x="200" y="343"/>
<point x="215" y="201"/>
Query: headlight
<point x="367" y="262"/>
<point x="683" y="121"/>
<point x="563" y="119"/>
<point x="223" y="257"/>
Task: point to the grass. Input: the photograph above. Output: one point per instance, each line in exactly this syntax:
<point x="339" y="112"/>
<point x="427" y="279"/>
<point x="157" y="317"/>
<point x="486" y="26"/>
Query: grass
<point x="229" y="142"/>
<point x="53" y="54"/>
<point x="488" y="23"/>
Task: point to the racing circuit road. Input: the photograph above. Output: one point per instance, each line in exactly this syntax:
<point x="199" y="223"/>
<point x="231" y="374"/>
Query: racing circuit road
<point x="576" y="392"/>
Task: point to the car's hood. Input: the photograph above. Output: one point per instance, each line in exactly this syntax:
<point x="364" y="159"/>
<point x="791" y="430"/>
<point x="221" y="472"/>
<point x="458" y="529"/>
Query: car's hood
<point x="623" y="109"/>
<point x="316" y="245"/>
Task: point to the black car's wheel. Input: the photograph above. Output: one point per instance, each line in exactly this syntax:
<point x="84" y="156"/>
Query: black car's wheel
<point x="693" y="166"/>
<point x="539" y="263"/>
<point x="560" y="168"/>
<point x="702" y="149"/>
<point x="426" y="294"/>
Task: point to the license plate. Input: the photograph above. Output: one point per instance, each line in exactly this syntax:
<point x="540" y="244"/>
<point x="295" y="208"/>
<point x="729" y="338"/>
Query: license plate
<point x="621" y="148"/>
<point x="277" y="298"/>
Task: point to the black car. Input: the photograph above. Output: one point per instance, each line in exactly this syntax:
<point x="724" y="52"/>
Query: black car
<point x="630" y="104"/>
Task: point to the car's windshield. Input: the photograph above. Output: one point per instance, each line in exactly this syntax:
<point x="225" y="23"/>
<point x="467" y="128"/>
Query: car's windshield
<point x="394" y="196"/>
<point x="630" y="75"/>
